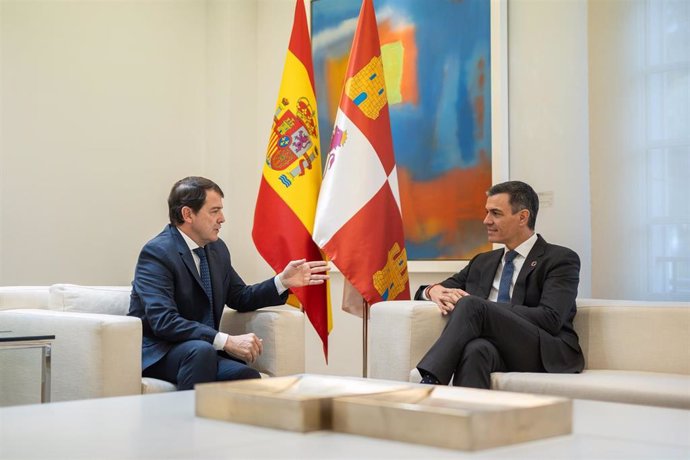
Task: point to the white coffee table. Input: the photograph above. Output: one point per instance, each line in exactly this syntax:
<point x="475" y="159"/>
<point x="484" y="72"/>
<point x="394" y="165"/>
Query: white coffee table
<point x="164" y="426"/>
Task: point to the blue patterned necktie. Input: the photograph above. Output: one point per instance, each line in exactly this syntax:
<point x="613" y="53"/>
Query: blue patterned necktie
<point x="206" y="281"/>
<point x="506" y="277"/>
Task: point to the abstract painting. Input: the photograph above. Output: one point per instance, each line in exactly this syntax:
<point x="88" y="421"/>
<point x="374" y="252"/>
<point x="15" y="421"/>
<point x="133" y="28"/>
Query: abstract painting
<point x="437" y="68"/>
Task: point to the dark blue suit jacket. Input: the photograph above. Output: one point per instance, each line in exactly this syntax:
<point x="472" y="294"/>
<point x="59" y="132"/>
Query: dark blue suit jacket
<point x="544" y="294"/>
<point x="168" y="296"/>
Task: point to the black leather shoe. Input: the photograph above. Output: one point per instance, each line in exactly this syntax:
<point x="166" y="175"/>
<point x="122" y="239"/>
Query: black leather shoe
<point x="430" y="380"/>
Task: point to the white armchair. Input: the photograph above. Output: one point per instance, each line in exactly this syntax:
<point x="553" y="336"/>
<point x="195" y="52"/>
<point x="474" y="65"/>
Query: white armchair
<point x="635" y="352"/>
<point x="97" y="348"/>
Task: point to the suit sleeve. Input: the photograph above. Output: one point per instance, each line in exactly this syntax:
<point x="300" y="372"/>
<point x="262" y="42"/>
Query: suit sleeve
<point x="457" y="281"/>
<point x="243" y="297"/>
<point x="558" y="294"/>
<point x="154" y="281"/>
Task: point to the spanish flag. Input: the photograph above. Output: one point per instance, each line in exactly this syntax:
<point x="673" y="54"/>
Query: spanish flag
<point x="286" y="205"/>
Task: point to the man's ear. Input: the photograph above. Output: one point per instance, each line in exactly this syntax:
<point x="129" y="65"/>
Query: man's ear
<point x="186" y="212"/>
<point x="524" y="216"/>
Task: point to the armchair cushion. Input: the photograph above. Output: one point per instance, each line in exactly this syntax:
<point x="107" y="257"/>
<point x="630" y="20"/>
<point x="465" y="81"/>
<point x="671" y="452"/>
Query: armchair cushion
<point x="631" y="387"/>
<point x="400" y="332"/>
<point x="110" y="300"/>
<point x="282" y="331"/>
<point x="151" y="385"/>
<point x="634" y="335"/>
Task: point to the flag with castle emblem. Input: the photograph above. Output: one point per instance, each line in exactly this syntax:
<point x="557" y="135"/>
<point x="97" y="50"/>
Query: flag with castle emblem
<point x="358" y="217"/>
<point x="286" y="205"/>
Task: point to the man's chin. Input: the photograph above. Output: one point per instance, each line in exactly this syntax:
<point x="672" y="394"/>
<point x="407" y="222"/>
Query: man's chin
<point x="493" y="238"/>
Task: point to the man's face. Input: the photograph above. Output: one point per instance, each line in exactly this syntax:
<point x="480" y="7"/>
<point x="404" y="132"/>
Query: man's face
<point x="501" y="224"/>
<point x="204" y="226"/>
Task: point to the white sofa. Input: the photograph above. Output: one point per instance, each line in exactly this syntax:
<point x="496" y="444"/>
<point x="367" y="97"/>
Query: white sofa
<point x="635" y="352"/>
<point x="97" y="348"/>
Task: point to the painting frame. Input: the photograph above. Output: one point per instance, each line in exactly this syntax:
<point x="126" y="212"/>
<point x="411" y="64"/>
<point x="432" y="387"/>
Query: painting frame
<point x="498" y="123"/>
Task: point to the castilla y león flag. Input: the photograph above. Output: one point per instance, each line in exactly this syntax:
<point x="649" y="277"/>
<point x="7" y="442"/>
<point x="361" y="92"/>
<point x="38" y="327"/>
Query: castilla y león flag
<point x="358" y="218"/>
<point x="288" y="193"/>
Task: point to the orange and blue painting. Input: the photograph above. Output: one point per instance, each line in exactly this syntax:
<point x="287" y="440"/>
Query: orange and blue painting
<point x="436" y="61"/>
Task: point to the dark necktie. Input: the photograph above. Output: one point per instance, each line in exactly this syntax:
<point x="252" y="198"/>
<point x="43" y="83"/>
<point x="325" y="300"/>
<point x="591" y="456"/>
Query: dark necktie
<point x="206" y="282"/>
<point x="506" y="277"/>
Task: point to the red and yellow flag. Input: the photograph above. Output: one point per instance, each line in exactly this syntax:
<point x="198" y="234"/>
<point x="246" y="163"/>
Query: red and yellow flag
<point x="286" y="205"/>
<point x="358" y="218"/>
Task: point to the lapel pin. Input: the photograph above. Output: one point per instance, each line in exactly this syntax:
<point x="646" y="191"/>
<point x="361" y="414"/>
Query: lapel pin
<point x="533" y="264"/>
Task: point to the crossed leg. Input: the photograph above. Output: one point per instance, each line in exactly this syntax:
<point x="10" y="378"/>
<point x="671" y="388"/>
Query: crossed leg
<point x="481" y="337"/>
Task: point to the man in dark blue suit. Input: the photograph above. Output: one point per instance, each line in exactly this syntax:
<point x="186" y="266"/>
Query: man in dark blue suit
<point x="182" y="281"/>
<point x="510" y="309"/>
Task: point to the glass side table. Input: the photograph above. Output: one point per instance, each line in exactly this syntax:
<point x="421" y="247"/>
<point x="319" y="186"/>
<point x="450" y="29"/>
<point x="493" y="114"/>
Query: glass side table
<point x="10" y="340"/>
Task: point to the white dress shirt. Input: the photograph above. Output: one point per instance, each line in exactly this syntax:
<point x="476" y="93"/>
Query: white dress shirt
<point x="519" y="260"/>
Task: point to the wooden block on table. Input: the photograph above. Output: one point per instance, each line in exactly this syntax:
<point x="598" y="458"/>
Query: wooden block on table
<point x="454" y="418"/>
<point x="296" y="403"/>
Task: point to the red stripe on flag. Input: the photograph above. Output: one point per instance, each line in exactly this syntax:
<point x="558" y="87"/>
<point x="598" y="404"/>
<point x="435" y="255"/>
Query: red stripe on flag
<point x="282" y="237"/>
<point x="361" y="247"/>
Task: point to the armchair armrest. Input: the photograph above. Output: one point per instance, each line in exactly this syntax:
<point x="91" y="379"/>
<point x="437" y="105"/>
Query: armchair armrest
<point x="282" y="331"/>
<point x="400" y="333"/>
<point x="93" y="355"/>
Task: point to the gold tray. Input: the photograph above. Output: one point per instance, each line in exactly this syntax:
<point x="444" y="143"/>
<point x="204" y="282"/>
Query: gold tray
<point x="296" y="403"/>
<point x="453" y="418"/>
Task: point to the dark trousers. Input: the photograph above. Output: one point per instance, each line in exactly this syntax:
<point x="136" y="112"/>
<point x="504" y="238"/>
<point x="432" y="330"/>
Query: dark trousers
<point x="482" y="337"/>
<point x="196" y="361"/>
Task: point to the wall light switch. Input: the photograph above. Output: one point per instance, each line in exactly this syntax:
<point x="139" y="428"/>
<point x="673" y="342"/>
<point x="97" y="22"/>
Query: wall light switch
<point x="545" y="199"/>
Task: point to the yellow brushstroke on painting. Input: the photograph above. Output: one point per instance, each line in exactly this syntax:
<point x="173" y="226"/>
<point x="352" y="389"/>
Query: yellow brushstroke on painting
<point x="335" y="78"/>
<point x="393" y="55"/>
<point x="400" y="60"/>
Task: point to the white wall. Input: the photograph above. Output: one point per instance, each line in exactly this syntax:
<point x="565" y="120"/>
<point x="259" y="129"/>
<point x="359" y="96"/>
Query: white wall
<point x="618" y="156"/>
<point x="235" y="151"/>
<point x="102" y="109"/>
<point x="549" y="134"/>
<point x="105" y="104"/>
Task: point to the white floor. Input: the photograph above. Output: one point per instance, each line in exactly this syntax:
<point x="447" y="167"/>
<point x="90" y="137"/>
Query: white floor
<point x="164" y="426"/>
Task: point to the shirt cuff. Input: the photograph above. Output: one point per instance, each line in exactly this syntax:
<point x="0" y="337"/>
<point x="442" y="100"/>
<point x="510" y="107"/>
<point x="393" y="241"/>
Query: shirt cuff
<point x="425" y="292"/>
<point x="279" y="285"/>
<point x="219" y="341"/>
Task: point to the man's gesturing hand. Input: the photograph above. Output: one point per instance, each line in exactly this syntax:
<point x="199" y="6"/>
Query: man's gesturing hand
<point x="298" y="273"/>
<point x="246" y="346"/>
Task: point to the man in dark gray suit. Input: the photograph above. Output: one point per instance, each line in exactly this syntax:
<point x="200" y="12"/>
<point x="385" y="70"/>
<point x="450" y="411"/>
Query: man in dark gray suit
<point x="182" y="281"/>
<point x="510" y="309"/>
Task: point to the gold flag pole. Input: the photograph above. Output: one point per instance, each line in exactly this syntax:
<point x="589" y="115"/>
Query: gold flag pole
<point x="365" y="336"/>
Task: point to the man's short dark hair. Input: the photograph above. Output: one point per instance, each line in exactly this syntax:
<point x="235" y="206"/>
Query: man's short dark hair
<point x="522" y="196"/>
<point x="191" y="192"/>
